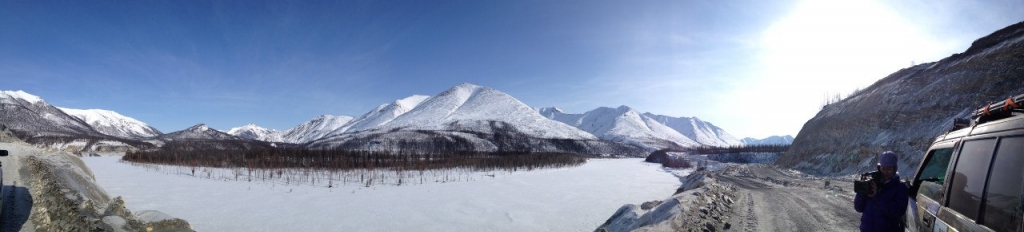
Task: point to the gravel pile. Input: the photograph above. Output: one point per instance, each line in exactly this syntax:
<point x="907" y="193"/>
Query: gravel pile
<point x="704" y="208"/>
<point x="709" y="209"/>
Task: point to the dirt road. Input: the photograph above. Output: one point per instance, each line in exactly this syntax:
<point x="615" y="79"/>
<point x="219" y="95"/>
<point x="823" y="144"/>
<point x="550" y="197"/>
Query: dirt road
<point x="776" y="200"/>
<point x="17" y="201"/>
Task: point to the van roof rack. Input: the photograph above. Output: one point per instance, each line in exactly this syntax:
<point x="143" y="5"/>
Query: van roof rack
<point x="960" y="123"/>
<point x="999" y="110"/>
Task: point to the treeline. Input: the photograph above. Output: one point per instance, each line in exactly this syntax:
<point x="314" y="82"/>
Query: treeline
<point x="760" y="148"/>
<point x="344" y="160"/>
<point x="503" y="139"/>
<point x="189" y="145"/>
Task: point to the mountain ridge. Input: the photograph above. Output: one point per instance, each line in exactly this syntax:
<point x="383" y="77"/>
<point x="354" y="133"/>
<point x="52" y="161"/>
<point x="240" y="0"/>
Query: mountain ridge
<point x="481" y="117"/>
<point x="622" y="124"/>
<point x="254" y="132"/>
<point x="316" y="128"/>
<point x="31" y="118"/>
<point x="774" y="139"/>
<point x="113" y="123"/>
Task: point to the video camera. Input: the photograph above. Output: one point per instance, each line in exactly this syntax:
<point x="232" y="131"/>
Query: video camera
<point x="864" y="186"/>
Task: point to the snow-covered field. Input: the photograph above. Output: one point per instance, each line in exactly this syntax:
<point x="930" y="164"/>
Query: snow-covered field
<point x="572" y="199"/>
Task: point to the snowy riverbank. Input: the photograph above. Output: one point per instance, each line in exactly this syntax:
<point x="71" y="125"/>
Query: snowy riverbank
<point x="572" y="199"/>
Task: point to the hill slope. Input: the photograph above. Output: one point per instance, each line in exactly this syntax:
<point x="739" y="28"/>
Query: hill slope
<point x="254" y="132"/>
<point x="906" y="110"/>
<point x="113" y="123"/>
<point x="315" y="128"/>
<point x="33" y="120"/>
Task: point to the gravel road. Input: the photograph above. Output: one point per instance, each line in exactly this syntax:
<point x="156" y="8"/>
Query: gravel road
<point x="776" y="200"/>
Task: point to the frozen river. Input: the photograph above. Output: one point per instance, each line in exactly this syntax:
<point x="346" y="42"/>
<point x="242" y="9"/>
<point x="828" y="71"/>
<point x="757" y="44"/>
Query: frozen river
<point x="570" y="199"/>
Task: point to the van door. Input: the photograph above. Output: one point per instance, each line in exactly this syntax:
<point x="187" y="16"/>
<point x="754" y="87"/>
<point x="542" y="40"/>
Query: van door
<point x="929" y="185"/>
<point x="1002" y="208"/>
<point x="966" y="185"/>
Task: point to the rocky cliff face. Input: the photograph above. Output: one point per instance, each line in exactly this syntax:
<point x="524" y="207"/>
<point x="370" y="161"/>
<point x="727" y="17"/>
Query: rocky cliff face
<point x="906" y="110"/>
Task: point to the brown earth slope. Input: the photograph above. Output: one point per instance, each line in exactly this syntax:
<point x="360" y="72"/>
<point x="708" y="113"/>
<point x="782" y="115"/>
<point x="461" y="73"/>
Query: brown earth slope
<point x="906" y="110"/>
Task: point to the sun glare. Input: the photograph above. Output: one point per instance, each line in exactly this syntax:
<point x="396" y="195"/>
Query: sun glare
<point x="839" y="46"/>
<point x="824" y="48"/>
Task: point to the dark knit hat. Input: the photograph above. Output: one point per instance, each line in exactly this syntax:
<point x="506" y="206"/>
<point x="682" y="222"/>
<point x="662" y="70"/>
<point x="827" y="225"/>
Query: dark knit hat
<point x="887" y="159"/>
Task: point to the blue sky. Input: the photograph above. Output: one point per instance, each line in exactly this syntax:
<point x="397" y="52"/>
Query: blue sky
<point x="754" y="68"/>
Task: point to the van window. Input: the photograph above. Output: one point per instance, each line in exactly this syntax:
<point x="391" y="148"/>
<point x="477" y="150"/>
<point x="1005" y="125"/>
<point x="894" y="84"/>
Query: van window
<point x="934" y="173"/>
<point x="1003" y="198"/>
<point x="968" y="180"/>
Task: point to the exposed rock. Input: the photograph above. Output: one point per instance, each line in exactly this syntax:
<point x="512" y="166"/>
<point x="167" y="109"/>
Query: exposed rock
<point x="58" y="207"/>
<point x="6" y="136"/>
<point x="649" y="205"/>
<point x="906" y="110"/>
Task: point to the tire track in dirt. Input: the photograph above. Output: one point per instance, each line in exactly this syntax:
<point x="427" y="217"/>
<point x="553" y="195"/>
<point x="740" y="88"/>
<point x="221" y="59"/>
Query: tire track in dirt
<point x="750" y="219"/>
<point x="786" y="207"/>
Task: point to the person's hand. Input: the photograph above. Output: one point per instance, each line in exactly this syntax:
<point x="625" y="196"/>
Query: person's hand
<point x="874" y="189"/>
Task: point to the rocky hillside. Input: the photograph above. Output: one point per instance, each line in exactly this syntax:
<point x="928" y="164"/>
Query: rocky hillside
<point x="906" y="110"/>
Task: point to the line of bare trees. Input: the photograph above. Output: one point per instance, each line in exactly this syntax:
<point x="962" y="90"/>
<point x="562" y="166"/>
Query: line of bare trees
<point x="760" y="148"/>
<point x="341" y="160"/>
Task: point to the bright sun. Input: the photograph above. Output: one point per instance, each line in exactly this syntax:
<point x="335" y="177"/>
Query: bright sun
<point x="838" y="46"/>
<point x="825" y="48"/>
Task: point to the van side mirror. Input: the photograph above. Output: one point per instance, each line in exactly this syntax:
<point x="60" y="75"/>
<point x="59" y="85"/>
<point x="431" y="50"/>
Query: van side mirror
<point x="3" y="152"/>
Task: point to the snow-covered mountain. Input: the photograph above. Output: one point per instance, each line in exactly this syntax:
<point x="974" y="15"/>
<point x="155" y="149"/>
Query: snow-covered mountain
<point x="701" y="131"/>
<point x="113" y="123"/>
<point x="32" y="118"/>
<point x="622" y="124"/>
<point x="774" y="139"/>
<point x="468" y="117"/>
<point x="198" y="132"/>
<point x="202" y="137"/>
<point x="472" y="107"/>
<point x="383" y="114"/>
<point x="315" y="128"/>
<point x="614" y="124"/>
<point x="465" y="117"/>
<point x="254" y="132"/>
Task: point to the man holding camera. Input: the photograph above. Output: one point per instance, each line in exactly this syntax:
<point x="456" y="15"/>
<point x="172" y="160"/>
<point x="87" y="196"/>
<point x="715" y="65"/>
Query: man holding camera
<point x="885" y="203"/>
